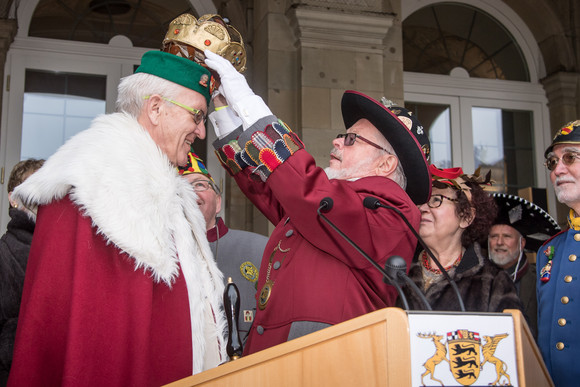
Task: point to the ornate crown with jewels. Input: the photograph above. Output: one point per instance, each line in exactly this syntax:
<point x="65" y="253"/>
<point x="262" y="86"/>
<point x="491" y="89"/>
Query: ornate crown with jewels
<point x="189" y="37"/>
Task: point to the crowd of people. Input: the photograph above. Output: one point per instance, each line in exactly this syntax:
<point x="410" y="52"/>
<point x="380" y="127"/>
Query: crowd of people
<point x="126" y="268"/>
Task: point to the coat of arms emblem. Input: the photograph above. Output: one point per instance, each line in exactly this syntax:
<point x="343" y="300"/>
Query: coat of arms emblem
<point x="466" y="356"/>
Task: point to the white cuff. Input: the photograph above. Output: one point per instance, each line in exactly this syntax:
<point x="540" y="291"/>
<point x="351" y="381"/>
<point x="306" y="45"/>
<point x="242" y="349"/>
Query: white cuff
<point x="224" y="121"/>
<point x="251" y="109"/>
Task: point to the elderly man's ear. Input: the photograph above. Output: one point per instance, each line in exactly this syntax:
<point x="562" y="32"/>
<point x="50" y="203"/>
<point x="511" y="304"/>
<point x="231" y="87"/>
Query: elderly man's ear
<point x="152" y="108"/>
<point x="387" y="165"/>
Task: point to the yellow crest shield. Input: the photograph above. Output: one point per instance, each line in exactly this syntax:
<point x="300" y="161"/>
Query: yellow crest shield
<point x="464" y="348"/>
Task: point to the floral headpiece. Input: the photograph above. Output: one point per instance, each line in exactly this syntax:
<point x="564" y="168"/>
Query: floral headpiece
<point x="456" y="179"/>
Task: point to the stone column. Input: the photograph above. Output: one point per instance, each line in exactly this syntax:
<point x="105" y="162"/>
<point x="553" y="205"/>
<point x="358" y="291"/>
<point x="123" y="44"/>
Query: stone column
<point x="563" y="93"/>
<point x="8" y="28"/>
<point x="336" y="50"/>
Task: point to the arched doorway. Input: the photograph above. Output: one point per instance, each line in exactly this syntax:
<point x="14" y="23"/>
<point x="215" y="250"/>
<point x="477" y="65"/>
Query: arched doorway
<point x="472" y="76"/>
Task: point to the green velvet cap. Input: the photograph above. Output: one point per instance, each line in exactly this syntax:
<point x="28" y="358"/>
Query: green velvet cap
<point x="178" y="70"/>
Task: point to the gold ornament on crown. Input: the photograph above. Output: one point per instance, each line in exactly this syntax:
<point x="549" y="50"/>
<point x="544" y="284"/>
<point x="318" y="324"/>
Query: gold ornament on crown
<point x="190" y="37"/>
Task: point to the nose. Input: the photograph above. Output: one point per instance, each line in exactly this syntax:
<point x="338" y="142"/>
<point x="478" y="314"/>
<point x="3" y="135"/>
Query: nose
<point x="338" y="143"/>
<point x="200" y="130"/>
<point x="423" y="207"/>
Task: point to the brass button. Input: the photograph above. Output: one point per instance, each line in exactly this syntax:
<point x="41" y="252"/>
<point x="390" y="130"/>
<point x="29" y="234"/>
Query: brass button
<point x="572" y="257"/>
<point x="559" y="346"/>
<point x="568" y="278"/>
<point x="565" y="300"/>
<point x="577" y="237"/>
<point x="561" y="322"/>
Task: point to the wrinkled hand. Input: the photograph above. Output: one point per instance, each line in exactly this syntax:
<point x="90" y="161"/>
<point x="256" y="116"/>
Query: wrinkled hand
<point x="234" y="86"/>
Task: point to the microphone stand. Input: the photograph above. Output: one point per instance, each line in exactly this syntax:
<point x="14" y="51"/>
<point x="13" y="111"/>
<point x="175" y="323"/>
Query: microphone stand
<point x="372" y="203"/>
<point x="326" y="205"/>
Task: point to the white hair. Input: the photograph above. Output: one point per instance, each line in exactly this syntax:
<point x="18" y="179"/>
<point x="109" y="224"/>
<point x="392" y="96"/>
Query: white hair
<point x="133" y="88"/>
<point x="398" y="175"/>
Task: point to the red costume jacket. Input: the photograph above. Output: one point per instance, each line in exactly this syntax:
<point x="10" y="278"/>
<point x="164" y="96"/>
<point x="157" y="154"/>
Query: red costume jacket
<point x="317" y="276"/>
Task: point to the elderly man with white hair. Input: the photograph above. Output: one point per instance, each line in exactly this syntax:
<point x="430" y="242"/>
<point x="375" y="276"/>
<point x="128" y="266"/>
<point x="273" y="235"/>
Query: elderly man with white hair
<point x="121" y="287"/>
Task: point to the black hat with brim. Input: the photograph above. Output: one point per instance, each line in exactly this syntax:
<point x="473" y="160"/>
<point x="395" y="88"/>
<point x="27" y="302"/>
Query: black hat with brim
<point x="535" y="224"/>
<point x="403" y="131"/>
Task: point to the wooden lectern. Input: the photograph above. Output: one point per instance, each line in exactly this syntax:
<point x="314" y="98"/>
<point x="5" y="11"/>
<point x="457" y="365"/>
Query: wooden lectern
<point x="370" y="350"/>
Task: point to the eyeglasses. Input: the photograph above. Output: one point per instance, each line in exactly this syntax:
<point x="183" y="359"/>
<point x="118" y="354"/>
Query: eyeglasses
<point x="437" y="199"/>
<point x="350" y="138"/>
<point x="568" y="158"/>
<point x="198" y="115"/>
<point x="203" y="185"/>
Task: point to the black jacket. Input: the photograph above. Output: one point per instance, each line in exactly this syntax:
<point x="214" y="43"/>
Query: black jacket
<point x="14" y="249"/>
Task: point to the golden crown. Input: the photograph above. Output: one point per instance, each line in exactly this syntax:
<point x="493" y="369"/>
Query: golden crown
<point x="189" y="37"/>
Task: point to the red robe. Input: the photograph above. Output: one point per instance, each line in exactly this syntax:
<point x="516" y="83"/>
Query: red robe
<point x="136" y="331"/>
<point x="322" y="278"/>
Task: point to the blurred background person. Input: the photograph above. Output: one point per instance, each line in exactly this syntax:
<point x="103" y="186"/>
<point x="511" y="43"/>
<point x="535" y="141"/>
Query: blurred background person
<point x="457" y="216"/>
<point x="14" y="248"/>
<point x="520" y="226"/>
<point x="238" y="253"/>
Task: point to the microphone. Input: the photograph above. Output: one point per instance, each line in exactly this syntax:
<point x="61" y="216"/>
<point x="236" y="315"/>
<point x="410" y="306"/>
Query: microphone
<point x="396" y="268"/>
<point x="374" y="203"/>
<point x="325" y="206"/>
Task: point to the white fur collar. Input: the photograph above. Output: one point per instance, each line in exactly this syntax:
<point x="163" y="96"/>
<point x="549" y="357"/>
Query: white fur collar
<point x="119" y="177"/>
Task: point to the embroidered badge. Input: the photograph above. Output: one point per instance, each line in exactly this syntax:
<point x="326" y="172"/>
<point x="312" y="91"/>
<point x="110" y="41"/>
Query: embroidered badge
<point x="248" y="316"/>
<point x="249" y="271"/>
<point x="203" y="80"/>
<point x="546" y="271"/>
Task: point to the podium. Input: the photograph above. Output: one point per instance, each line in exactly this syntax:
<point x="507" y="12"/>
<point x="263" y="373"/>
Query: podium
<point x="370" y="350"/>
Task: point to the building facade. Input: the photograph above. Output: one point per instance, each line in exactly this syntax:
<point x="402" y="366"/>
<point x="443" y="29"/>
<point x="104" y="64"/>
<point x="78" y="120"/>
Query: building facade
<point x="490" y="80"/>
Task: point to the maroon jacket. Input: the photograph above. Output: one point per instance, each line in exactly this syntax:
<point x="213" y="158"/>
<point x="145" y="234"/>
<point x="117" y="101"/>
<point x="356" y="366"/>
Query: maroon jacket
<point x="317" y="276"/>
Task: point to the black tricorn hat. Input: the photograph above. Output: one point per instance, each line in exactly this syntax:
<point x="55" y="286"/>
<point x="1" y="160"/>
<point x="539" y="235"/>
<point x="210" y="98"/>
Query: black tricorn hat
<point x="535" y="224"/>
<point x="403" y="131"/>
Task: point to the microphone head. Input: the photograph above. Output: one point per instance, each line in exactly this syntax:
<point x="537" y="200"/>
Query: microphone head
<point x="326" y="204"/>
<point x="395" y="265"/>
<point x="372" y="203"/>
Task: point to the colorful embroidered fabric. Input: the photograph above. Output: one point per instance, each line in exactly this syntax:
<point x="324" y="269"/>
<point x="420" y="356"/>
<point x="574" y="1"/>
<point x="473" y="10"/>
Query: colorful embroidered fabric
<point x="263" y="153"/>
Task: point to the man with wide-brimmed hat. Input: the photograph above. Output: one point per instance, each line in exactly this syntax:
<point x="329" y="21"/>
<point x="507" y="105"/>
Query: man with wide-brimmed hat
<point x="310" y="277"/>
<point x="121" y="286"/>
<point x="520" y="226"/>
<point x="558" y="285"/>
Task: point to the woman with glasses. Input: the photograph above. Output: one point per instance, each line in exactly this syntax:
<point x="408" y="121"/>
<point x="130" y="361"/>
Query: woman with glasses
<point x="457" y="216"/>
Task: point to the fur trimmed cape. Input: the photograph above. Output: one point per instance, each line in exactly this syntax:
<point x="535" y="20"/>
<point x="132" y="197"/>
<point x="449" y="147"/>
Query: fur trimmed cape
<point x="120" y="179"/>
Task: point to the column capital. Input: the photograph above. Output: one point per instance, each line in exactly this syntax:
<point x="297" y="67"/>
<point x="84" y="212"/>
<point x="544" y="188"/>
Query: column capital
<point x="317" y="27"/>
<point x="561" y="88"/>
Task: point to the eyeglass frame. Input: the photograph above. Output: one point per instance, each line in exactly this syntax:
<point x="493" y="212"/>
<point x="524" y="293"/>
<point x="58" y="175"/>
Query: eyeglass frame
<point x="210" y="184"/>
<point x="196" y="113"/>
<point x="575" y="155"/>
<point x="441" y="202"/>
<point x="358" y="136"/>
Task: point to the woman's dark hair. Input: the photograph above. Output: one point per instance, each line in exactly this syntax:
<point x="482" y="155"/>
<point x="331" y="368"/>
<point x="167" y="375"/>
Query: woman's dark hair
<point x="485" y="214"/>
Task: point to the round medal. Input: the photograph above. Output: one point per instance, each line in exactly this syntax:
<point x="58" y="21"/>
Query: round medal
<point x="265" y="294"/>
